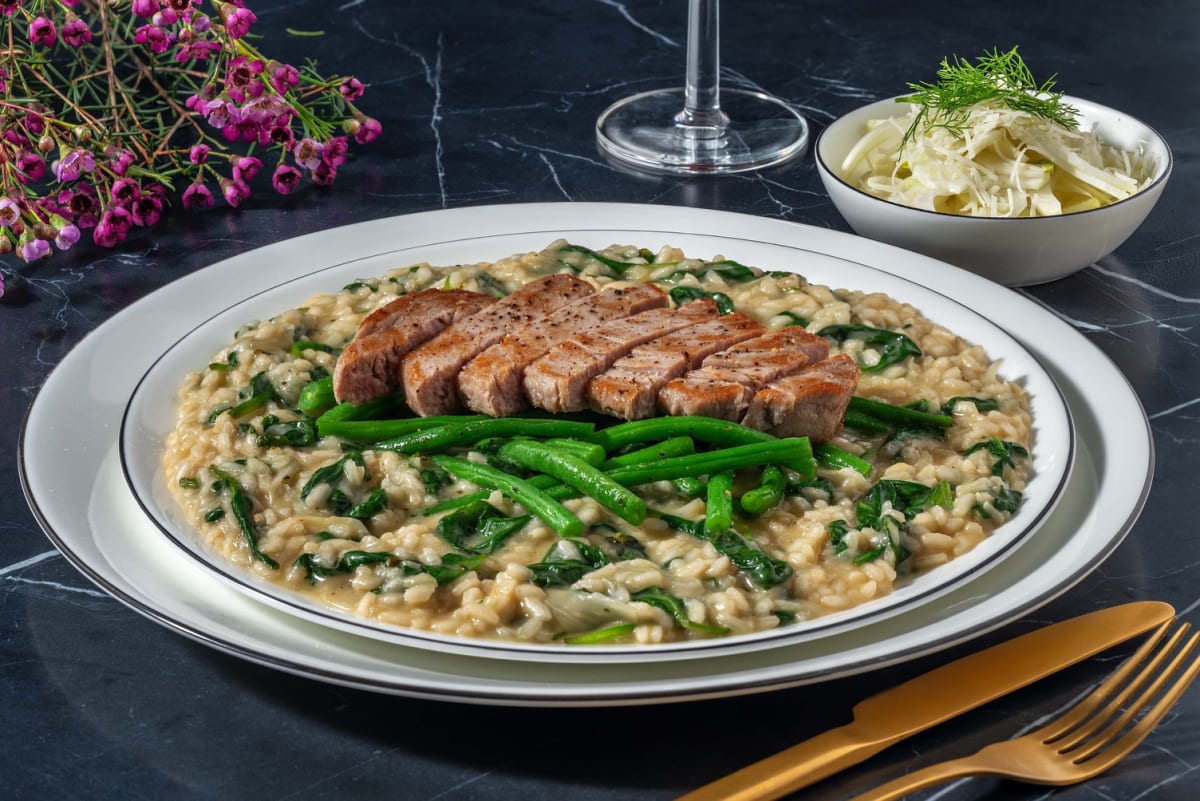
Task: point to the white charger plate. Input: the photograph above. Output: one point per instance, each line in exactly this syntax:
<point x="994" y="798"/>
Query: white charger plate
<point x="64" y="458"/>
<point x="151" y="416"/>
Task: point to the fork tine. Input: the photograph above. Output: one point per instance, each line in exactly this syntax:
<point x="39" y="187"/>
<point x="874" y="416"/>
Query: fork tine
<point x="1087" y="707"/>
<point x="1107" y="703"/>
<point x="1106" y="749"/>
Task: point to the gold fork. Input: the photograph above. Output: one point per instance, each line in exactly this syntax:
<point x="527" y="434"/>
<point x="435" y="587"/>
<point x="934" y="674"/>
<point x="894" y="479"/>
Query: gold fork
<point x="1090" y="737"/>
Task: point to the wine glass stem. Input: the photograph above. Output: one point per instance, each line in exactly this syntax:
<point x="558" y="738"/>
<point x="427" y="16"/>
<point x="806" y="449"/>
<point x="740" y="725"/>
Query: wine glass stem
<point x="702" y="117"/>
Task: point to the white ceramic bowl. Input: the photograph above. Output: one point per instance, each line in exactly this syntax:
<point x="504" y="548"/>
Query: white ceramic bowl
<point x="1011" y="251"/>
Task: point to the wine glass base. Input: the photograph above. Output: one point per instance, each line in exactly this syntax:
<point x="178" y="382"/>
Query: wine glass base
<point x="759" y="131"/>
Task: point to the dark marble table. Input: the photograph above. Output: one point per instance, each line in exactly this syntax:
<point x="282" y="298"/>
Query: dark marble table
<point x="495" y="103"/>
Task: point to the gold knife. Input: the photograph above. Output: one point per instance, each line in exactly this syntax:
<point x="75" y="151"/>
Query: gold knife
<point x="934" y="697"/>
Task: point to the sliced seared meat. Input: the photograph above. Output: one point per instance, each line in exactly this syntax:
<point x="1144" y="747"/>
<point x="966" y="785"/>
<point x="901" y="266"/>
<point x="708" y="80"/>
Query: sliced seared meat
<point x="369" y="367"/>
<point x="491" y="383"/>
<point x="810" y="403"/>
<point x="629" y="388"/>
<point x="430" y="372"/>
<point x="726" y="381"/>
<point x="558" y="381"/>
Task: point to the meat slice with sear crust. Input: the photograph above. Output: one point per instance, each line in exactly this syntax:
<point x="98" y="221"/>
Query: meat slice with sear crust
<point x="369" y="367"/>
<point x="726" y="381"/>
<point x="430" y="371"/>
<point x="629" y="388"/>
<point x="811" y="403"/>
<point x="491" y="383"/>
<point x="558" y="381"/>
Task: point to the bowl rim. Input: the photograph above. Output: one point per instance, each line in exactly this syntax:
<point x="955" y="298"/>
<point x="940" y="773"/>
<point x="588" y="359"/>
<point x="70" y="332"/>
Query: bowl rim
<point x="826" y="170"/>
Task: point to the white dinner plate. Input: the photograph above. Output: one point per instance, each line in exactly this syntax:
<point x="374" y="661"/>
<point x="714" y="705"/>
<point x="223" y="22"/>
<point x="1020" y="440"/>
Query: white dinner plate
<point x="65" y="458"/>
<point x="151" y="416"/>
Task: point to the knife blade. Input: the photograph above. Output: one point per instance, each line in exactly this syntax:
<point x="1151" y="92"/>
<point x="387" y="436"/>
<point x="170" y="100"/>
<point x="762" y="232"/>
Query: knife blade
<point x="952" y="689"/>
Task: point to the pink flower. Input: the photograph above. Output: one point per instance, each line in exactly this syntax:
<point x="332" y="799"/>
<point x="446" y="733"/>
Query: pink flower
<point x="284" y="77"/>
<point x="235" y="191"/>
<point x="120" y="160"/>
<point x="153" y="36"/>
<point x="221" y="113"/>
<point x="308" y="153"/>
<point x="76" y="33"/>
<point x="114" y="225"/>
<point x="242" y="71"/>
<point x="285" y="179"/>
<point x="324" y="174"/>
<point x="197" y="196"/>
<point x="73" y="165"/>
<point x="32" y="167"/>
<point x="105" y="235"/>
<point x="281" y="135"/>
<point x="199" y="154"/>
<point x="125" y="191"/>
<point x="67" y="235"/>
<point x="335" y="150"/>
<point x="246" y="167"/>
<point x="9" y="7"/>
<point x="42" y="32"/>
<point x="145" y="8"/>
<point x="32" y="248"/>
<point x="81" y="203"/>
<point x="147" y="209"/>
<point x="368" y="131"/>
<point x="351" y="88"/>
<point x="238" y="22"/>
<point x="196" y="51"/>
<point x="10" y="212"/>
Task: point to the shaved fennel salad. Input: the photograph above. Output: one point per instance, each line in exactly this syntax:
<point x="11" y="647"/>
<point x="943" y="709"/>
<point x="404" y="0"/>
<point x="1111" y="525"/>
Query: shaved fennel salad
<point x="987" y="141"/>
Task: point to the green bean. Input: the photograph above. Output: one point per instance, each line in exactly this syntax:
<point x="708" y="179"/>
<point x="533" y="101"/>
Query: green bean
<point x="898" y="414"/>
<point x="551" y="512"/>
<point x="589" y="452"/>
<point x="381" y="430"/>
<point x="350" y="411"/>
<point x="577" y="473"/>
<point x="434" y="440"/>
<point x="706" y="429"/>
<point x="865" y="423"/>
<point x="675" y="446"/>
<point x="317" y="397"/>
<point x="834" y="458"/>
<point x="718" y="514"/>
<point x="691" y="486"/>
<point x="768" y="492"/>
<point x="795" y="452"/>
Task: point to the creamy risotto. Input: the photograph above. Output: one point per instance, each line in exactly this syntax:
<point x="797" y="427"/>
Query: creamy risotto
<point x="933" y="456"/>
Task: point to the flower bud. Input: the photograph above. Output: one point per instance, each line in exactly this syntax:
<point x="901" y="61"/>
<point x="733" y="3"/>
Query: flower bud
<point x="44" y="230"/>
<point x="45" y="144"/>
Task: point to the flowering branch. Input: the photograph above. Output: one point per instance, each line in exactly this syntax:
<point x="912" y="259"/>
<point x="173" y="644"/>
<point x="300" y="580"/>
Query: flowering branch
<point x="109" y="109"/>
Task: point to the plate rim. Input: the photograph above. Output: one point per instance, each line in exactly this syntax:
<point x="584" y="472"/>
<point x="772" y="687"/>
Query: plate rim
<point x="995" y="618"/>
